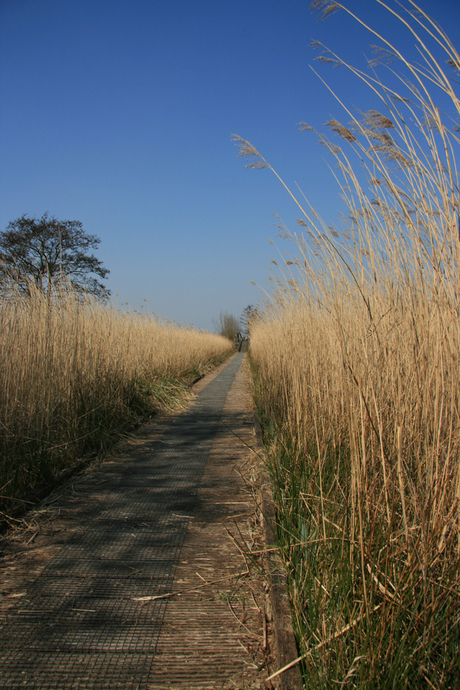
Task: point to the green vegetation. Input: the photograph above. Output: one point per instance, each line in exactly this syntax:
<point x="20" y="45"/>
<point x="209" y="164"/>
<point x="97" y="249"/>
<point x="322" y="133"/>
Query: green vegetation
<point x="357" y="377"/>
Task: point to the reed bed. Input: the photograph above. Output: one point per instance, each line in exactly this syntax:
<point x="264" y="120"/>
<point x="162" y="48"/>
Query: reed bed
<point x="356" y="367"/>
<point x="74" y="373"/>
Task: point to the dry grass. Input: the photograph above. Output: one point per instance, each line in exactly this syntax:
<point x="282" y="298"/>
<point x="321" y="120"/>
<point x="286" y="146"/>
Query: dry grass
<point x="75" y="373"/>
<point x="357" y="375"/>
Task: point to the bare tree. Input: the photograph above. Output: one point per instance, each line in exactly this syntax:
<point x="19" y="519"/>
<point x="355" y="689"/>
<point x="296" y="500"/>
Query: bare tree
<point x="250" y="313"/>
<point x="227" y="325"/>
<point x="46" y="253"/>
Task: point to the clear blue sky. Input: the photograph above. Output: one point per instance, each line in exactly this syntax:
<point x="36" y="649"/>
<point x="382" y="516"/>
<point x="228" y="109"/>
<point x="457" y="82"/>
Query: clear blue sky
<point x="118" y="113"/>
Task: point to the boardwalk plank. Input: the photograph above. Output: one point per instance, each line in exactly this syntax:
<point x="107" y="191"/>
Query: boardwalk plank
<point x="167" y="518"/>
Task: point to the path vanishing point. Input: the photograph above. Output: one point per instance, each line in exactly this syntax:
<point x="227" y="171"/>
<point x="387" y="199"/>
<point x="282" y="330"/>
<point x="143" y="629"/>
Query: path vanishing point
<point x="137" y="575"/>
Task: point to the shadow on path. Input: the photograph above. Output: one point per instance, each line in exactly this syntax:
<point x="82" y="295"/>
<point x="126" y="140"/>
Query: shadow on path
<point x="78" y="626"/>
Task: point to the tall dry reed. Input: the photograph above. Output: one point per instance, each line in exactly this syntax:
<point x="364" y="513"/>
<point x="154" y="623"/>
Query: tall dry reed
<point x="357" y="375"/>
<point x="73" y="373"/>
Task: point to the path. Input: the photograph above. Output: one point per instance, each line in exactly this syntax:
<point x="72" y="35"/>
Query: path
<point x="166" y="518"/>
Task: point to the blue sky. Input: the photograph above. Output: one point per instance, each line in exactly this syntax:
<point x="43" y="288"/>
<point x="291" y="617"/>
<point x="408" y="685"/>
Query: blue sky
<point x="119" y="113"/>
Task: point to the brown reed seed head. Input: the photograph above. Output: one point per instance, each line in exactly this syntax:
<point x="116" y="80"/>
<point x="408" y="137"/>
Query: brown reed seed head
<point x="246" y="149"/>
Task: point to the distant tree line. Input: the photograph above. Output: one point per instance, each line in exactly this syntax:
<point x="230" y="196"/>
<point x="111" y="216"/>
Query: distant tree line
<point x="229" y="326"/>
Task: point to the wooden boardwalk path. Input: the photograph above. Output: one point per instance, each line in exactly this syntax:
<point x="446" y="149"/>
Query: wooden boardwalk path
<point x="148" y="583"/>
